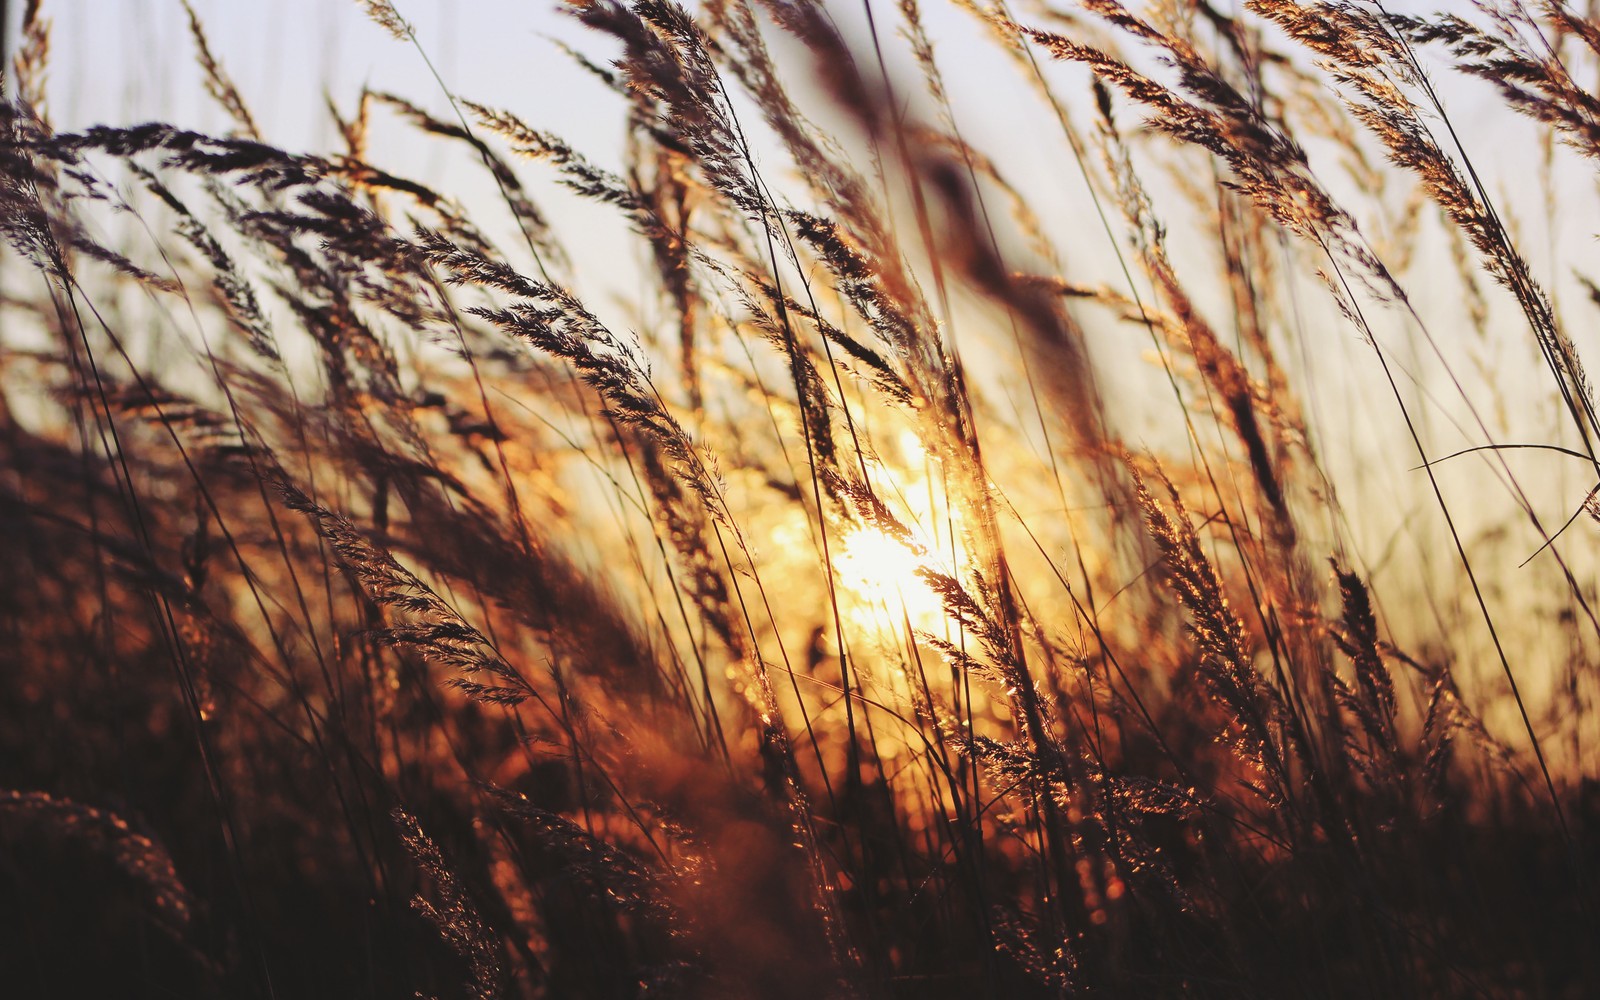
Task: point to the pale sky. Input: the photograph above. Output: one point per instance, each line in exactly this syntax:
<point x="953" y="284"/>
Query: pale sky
<point x="126" y="61"/>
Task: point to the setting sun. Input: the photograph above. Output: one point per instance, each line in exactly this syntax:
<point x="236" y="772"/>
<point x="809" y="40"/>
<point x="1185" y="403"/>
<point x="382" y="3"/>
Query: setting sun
<point x="882" y="573"/>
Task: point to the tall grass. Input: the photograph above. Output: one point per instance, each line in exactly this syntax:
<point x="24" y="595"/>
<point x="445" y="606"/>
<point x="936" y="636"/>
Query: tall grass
<point x="908" y="591"/>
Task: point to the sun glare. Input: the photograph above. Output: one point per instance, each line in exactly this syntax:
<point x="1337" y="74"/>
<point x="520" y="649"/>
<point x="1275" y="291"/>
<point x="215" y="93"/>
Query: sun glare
<point x="882" y="573"/>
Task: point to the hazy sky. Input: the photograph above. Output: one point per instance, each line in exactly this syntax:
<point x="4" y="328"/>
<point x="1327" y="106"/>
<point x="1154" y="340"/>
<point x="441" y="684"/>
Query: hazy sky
<point x="127" y="61"/>
<point x="132" y="60"/>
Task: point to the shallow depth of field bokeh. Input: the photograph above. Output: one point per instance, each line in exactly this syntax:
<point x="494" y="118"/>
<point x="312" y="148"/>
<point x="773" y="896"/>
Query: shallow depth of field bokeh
<point x="799" y="499"/>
